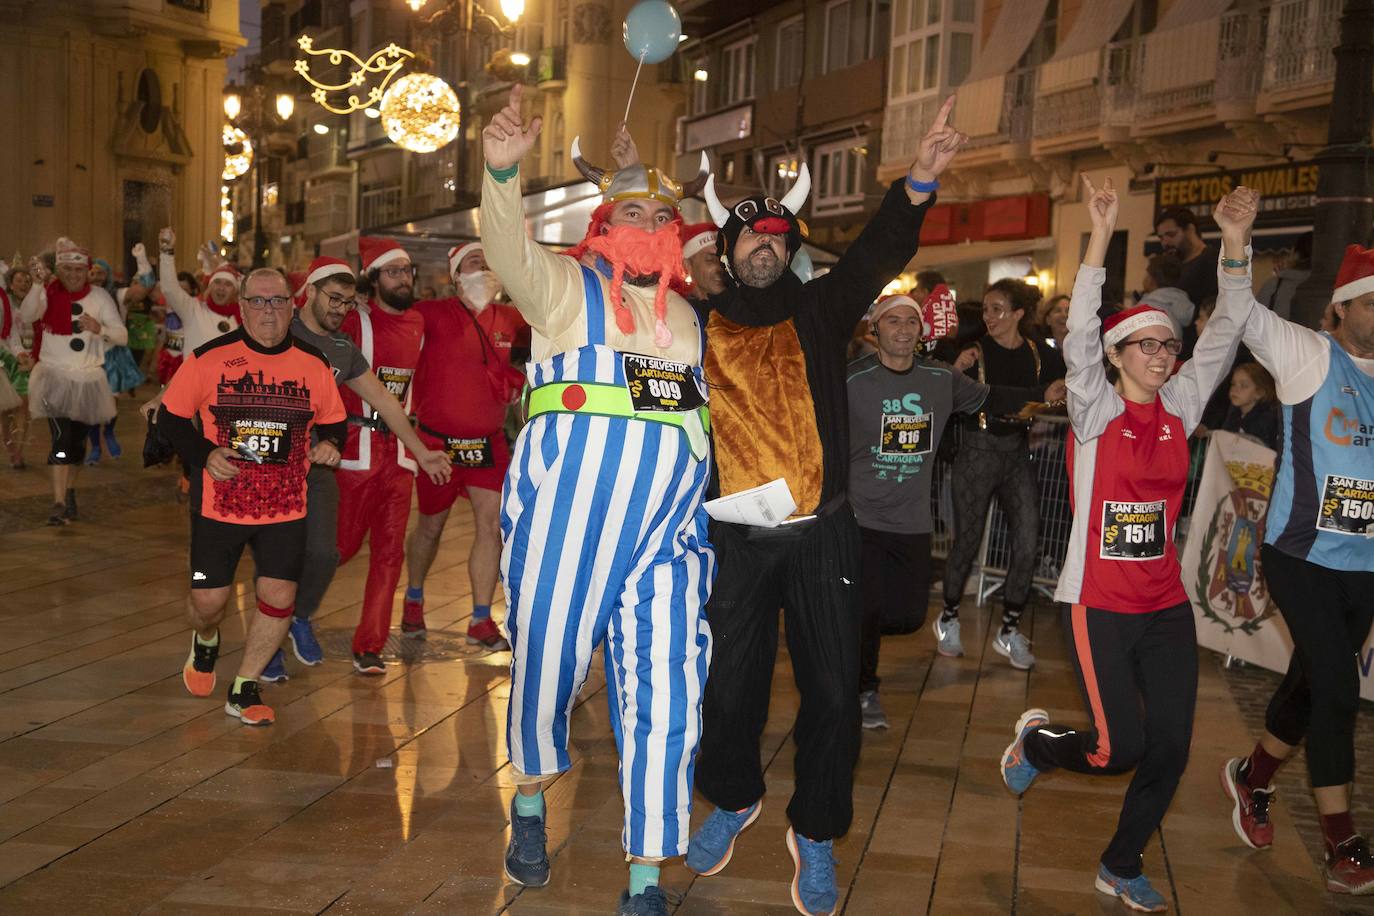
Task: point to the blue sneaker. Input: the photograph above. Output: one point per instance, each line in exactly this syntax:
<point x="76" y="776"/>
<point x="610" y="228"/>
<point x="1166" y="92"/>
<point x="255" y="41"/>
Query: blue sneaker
<point x="650" y="903"/>
<point x="303" y="644"/>
<point x="275" y="672"/>
<point x="1017" y="771"/>
<point x="813" y="886"/>
<point x="1137" y="893"/>
<point x="710" y="848"/>
<point x="527" y="858"/>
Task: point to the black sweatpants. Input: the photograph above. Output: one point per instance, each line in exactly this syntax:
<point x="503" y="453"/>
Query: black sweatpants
<point x="1328" y="612"/>
<point x="894" y="588"/>
<point x="979" y="474"/>
<point x="1138" y="674"/>
<point x="812" y="576"/>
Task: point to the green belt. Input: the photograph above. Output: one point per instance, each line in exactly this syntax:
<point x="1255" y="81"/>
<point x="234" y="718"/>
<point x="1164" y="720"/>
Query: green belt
<point x="606" y="401"/>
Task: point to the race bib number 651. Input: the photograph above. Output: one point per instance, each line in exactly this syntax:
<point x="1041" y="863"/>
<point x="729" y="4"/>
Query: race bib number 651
<point x="1133" y="531"/>
<point x="270" y="440"/>
<point x="1347" y="506"/>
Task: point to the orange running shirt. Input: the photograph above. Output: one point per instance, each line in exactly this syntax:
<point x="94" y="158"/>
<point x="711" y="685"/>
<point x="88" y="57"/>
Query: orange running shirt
<point x="263" y="399"/>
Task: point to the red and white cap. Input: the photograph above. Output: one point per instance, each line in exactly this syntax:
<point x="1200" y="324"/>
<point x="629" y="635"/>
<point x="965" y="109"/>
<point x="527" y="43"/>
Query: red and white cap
<point x="697" y="237"/>
<point x="1121" y="325"/>
<point x="321" y="269"/>
<point x="224" y="272"/>
<point x="375" y="252"/>
<point x="68" y="252"/>
<point x="457" y="253"/>
<point x="888" y="303"/>
<point x="1356" y="276"/>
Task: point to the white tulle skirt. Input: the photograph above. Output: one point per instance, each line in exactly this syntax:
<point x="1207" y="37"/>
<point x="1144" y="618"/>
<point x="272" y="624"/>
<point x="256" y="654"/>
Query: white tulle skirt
<point x="9" y="398"/>
<point x="82" y="395"/>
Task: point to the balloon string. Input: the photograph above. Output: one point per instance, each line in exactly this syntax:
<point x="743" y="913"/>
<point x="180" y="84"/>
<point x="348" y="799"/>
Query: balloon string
<point x="631" y="99"/>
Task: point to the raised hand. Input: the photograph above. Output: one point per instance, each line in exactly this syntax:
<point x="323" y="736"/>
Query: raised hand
<point x="1103" y="204"/>
<point x="138" y="251"/>
<point x="166" y="239"/>
<point x="623" y="149"/>
<point x="938" y="146"/>
<point x="506" y="139"/>
<point x="1235" y="213"/>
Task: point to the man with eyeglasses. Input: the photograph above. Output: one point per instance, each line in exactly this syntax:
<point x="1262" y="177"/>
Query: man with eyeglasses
<point x="260" y="395"/>
<point x="463" y="386"/>
<point x="375" y="476"/>
<point x="73" y="323"/>
<point x="328" y="295"/>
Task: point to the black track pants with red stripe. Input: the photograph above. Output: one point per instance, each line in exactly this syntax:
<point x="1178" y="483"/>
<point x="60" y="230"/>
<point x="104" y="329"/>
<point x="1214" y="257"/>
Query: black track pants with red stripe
<point x="1138" y="673"/>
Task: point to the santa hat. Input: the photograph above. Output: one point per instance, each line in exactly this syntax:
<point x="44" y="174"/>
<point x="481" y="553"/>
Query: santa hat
<point x="68" y="252"/>
<point x="888" y="303"/>
<point x="457" y="253"/>
<point x="697" y="237"/>
<point x="295" y="280"/>
<point x="224" y="272"/>
<point x="375" y="252"/>
<point x="1356" y="276"/>
<point x="321" y="269"/>
<point x="1121" y="325"/>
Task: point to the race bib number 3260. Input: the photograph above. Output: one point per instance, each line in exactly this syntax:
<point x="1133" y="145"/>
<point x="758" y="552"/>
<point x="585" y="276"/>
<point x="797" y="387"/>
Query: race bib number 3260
<point x="660" y="384"/>
<point x="1133" y="531"/>
<point x="1347" y="506"/>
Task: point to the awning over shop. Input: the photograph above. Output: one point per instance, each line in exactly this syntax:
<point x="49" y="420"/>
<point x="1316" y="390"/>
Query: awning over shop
<point x="1011" y="35"/>
<point x="1094" y="26"/>
<point x="1180" y="57"/>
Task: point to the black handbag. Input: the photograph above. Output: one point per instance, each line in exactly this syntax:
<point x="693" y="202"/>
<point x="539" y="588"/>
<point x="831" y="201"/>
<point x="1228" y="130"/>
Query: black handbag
<point x="156" y="449"/>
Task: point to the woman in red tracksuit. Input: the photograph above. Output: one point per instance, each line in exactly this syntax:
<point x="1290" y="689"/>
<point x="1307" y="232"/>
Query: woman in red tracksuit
<point x="1127" y="620"/>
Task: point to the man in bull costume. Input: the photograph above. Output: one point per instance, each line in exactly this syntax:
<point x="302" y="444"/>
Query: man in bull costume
<point x="603" y="533"/>
<point x="776" y="364"/>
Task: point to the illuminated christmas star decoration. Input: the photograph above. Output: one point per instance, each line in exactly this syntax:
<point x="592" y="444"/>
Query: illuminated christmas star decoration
<point x="420" y="113"/>
<point x="238" y="152"/>
<point x="386" y="62"/>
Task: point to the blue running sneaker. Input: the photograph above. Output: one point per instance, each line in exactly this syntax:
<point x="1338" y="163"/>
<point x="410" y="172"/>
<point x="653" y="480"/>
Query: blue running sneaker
<point x="527" y="858"/>
<point x="1136" y="893"/>
<point x="303" y="644"/>
<point x="275" y="672"/>
<point x="1017" y="771"/>
<point x="650" y="903"/>
<point x="711" y="847"/>
<point x="813" y="886"/>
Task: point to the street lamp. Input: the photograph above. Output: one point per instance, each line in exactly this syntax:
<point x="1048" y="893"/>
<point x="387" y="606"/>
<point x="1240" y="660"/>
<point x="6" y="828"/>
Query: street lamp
<point x="247" y="110"/>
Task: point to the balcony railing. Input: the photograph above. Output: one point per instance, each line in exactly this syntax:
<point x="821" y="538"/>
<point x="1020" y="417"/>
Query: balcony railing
<point x="1018" y="111"/>
<point x="1068" y="112"/>
<point x="1120" y="85"/>
<point x="1301" y="36"/>
<point x="379" y="206"/>
<point x="903" y="126"/>
<point x="1240" y="57"/>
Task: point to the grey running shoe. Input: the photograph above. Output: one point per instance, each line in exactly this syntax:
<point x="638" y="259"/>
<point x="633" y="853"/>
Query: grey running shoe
<point x="1015" y="647"/>
<point x="947" y="637"/>
<point x="874" y="717"/>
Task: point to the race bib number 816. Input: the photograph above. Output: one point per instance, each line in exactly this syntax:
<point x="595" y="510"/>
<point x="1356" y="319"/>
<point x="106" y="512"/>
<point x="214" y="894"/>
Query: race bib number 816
<point x="1133" y="531"/>
<point x="906" y="434"/>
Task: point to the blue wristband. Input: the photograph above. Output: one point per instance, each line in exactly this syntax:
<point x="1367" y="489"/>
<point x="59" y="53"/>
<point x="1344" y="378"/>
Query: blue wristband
<point x="922" y="187"/>
<point x="503" y="175"/>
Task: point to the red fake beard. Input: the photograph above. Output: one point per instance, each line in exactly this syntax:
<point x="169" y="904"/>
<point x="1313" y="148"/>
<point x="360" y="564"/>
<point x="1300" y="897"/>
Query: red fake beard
<point x="635" y="253"/>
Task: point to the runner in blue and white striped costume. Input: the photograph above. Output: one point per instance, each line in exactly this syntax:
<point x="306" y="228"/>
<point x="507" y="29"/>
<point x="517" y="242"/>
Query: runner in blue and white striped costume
<point x="603" y="532"/>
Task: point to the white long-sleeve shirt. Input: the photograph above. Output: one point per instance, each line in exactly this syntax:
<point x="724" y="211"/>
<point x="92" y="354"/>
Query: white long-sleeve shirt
<point x="199" y="323"/>
<point x="57" y="350"/>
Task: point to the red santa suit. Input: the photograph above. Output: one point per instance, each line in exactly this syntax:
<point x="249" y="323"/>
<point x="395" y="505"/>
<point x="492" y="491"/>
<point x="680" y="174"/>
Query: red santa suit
<point x="375" y="474"/>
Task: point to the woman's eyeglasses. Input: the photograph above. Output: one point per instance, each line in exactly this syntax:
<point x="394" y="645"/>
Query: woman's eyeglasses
<point x="1150" y="345"/>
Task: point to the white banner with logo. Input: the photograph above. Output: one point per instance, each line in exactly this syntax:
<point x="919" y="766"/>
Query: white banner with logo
<point x="1221" y="561"/>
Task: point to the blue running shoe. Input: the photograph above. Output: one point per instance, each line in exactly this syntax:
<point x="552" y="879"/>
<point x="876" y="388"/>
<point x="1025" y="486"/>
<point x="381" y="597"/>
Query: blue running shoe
<point x="711" y="847"/>
<point x="275" y="672"/>
<point x="527" y="857"/>
<point x="1137" y="893"/>
<point x="650" y="903"/>
<point x="303" y="644"/>
<point x="813" y="886"/>
<point x="1017" y="771"/>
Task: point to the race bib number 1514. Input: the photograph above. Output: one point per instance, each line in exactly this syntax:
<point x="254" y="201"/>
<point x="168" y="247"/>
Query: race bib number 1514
<point x="1133" y="531"/>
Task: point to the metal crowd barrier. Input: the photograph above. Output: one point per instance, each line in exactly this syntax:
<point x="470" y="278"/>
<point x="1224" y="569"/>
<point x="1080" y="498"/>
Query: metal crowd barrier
<point x="1047" y="445"/>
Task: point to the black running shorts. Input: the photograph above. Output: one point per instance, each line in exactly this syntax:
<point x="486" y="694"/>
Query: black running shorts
<point x="278" y="550"/>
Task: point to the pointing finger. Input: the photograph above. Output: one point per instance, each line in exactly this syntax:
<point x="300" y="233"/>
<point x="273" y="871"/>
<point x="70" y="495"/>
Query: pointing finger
<point x="942" y="117"/>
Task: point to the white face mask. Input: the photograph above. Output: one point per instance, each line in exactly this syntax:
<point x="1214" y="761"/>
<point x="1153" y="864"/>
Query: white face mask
<point x="479" y="287"/>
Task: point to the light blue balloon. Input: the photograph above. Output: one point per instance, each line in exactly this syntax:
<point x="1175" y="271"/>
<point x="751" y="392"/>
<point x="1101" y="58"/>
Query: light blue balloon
<point x="652" y="30"/>
<point x="802" y="265"/>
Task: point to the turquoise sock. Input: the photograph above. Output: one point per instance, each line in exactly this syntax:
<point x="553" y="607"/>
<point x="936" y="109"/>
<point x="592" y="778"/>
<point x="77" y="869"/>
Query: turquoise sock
<point x="415" y="594"/>
<point x="529" y="805"/>
<point x="481" y="612"/>
<point x="642" y="876"/>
